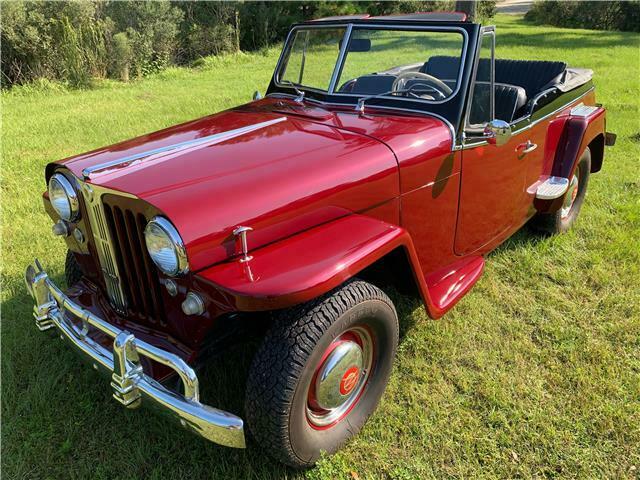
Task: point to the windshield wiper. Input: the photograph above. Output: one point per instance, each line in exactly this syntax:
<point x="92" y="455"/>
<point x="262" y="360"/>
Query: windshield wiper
<point x="300" y="97"/>
<point x="361" y="101"/>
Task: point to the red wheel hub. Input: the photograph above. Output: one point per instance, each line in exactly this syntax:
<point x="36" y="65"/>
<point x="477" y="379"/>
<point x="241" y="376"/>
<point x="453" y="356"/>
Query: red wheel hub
<point x="339" y="378"/>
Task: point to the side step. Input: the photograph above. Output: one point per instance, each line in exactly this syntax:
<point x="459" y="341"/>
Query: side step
<point x="552" y="188"/>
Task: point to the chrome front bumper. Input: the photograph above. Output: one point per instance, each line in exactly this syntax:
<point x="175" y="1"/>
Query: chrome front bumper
<point x="130" y="384"/>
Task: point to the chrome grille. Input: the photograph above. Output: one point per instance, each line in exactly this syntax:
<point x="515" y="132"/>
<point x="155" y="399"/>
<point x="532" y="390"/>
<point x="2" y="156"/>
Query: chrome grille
<point x="142" y="285"/>
<point x="104" y="245"/>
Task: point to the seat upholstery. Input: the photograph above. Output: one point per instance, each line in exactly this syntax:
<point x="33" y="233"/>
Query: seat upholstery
<point x="508" y="100"/>
<point x="532" y="75"/>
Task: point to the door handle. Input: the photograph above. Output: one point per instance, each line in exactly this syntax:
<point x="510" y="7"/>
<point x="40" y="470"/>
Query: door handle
<point x="527" y="147"/>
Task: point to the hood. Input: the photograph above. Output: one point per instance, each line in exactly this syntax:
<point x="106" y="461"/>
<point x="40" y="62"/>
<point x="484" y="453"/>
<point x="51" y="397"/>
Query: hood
<point x="275" y="171"/>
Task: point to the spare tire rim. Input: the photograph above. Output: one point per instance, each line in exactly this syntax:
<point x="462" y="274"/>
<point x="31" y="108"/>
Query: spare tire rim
<point x="340" y="378"/>
<point x="570" y="197"/>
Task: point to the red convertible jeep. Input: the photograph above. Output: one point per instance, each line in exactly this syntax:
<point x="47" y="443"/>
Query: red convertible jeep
<point x="387" y="151"/>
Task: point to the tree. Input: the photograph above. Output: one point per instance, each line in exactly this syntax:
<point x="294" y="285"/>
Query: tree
<point x="468" y="7"/>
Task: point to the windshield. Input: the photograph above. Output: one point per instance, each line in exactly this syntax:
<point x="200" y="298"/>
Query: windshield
<point x="417" y="64"/>
<point x="312" y="57"/>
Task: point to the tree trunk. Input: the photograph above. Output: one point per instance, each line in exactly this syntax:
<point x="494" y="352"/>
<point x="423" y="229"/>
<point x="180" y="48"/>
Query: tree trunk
<point x="468" y="7"/>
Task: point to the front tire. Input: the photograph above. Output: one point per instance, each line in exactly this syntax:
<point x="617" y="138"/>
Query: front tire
<point x="72" y="271"/>
<point x="320" y="373"/>
<point x="562" y="220"/>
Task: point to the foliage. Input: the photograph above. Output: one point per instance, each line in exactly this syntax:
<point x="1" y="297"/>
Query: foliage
<point x="609" y="15"/>
<point x="75" y="41"/>
<point x="534" y="374"/>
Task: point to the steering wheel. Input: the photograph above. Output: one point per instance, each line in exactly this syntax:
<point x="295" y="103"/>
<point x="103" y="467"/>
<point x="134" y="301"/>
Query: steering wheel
<point x="440" y="88"/>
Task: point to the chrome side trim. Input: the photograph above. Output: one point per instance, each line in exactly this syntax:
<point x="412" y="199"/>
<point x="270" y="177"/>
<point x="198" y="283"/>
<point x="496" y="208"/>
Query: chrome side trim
<point x="131" y="385"/>
<point x="482" y="141"/>
<point x="91" y="171"/>
<point x="550" y="114"/>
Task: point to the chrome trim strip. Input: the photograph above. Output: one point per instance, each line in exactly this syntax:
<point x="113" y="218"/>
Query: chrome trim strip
<point x="89" y="172"/>
<point x="550" y="114"/>
<point x="130" y="384"/>
<point x="465" y="146"/>
<point x="334" y="104"/>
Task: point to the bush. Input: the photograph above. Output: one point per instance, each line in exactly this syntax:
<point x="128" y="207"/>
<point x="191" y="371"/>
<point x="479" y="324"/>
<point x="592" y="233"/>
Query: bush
<point x="77" y="40"/>
<point x="611" y="15"/>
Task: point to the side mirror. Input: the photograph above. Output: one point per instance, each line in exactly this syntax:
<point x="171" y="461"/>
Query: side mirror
<point x="257" y="95"/>
<point x="498" y="132"/>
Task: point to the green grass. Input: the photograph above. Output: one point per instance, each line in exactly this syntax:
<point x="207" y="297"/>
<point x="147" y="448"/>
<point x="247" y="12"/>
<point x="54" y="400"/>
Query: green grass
<point x="536" y="373"/>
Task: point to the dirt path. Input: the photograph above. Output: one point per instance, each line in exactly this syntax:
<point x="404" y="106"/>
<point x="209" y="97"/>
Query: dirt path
<point x="514" y="7"/>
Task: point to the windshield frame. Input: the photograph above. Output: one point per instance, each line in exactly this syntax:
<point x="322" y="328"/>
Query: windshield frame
<point x="349" y="28"/>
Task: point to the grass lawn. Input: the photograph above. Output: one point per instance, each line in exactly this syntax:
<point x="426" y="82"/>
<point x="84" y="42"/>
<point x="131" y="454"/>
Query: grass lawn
<point x="536" y="373"/>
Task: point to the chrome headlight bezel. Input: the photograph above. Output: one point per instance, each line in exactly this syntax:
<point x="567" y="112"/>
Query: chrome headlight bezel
<point x="181" y="264"/>
<point x="71" y="197"/>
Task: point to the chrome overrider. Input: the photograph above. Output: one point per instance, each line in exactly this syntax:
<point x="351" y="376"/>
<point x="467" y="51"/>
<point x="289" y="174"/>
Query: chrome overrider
<point x="130" y="384"/>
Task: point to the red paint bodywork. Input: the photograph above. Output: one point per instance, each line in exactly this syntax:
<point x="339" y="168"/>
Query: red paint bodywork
<point x="329" y="192"/>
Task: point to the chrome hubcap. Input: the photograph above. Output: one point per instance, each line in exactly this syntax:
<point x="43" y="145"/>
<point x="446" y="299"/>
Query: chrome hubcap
<point x="340" y="378"/>
<point x="570" y="196"/>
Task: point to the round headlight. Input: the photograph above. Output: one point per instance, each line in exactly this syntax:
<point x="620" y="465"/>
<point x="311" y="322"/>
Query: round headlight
<point x="63" y="197"/>
<point x="165" y="247"/>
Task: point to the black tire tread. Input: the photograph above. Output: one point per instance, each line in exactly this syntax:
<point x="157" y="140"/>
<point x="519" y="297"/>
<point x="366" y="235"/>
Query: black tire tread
<point x="281" y="358"/>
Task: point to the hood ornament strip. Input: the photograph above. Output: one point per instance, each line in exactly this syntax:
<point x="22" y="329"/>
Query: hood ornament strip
<point x="105" y="167"/>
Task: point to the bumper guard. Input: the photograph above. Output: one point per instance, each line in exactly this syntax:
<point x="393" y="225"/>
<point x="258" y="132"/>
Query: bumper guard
<point x="129" y="382"/>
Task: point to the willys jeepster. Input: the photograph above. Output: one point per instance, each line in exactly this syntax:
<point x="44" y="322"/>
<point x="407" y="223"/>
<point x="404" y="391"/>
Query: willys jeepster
<point x="395" y="150"/>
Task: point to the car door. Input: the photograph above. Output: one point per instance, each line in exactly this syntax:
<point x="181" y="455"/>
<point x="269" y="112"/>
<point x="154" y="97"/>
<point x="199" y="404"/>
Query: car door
<point x="492" y="191"/>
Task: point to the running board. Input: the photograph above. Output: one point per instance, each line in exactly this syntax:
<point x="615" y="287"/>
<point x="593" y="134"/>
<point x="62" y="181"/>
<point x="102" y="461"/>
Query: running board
<point x="552" y="188"/>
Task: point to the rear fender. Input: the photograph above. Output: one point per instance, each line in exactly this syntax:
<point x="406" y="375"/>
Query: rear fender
<point x="585" y="127"/>
<point x="312" y="263"/>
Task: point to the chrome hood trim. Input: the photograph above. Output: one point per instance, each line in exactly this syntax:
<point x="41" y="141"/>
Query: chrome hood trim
<point x="91" y="172"/>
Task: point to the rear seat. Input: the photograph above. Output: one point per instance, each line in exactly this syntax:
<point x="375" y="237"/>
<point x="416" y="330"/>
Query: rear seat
<point x="532" y="76"/>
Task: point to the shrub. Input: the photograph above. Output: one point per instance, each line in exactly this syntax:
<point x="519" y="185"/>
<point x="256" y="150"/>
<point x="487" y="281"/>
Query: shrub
<point x="611" y="15"/>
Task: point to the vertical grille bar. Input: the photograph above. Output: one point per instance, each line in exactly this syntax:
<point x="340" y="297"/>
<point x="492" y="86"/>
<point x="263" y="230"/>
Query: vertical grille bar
<point x="152" y="275"/>
<point x="139" y="251"/>
<point x="131" y="287"/>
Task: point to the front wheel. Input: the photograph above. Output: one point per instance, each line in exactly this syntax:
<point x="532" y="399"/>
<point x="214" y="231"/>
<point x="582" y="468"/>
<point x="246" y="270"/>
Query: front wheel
<point x="562" y="220"/>
<point x="320" y="373"/>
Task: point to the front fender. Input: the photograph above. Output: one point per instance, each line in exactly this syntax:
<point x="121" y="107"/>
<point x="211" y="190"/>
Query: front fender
<point x="310" y="264"/>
